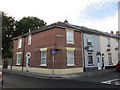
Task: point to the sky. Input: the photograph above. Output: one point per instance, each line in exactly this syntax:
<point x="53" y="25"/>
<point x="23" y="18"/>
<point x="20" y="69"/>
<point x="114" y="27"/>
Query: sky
<point x="101" y="15"/>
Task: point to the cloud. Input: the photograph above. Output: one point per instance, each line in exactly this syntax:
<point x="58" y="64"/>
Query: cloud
<point x="106" y="24"/>
<point x="99" y="10"/>
<point x="58" y="10"/>
<point x="100" y="14"/>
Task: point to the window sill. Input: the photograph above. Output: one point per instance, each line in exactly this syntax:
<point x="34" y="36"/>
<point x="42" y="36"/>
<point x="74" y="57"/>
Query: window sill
<point x="18" y="48"/>
<point x="90" y="45"/>
<point x="43" y="65"/>
<point x="90" y="64"/>
<point x="70" y="64"/>
<point x="29" y="44"/>
<point x="70" y="43"/>
<point x="18" y="64"/>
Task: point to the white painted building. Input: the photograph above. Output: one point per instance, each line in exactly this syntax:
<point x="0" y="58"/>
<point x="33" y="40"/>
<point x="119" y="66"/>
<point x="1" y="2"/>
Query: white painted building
<point x="100" y="49"/>
<point x="91" y="47"/>
<point x="109" y="47"/>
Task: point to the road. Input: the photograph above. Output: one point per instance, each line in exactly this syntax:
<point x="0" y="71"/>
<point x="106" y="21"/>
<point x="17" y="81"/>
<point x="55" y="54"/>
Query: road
<point x="102" y="77"/>
<point x="19" y="81"/>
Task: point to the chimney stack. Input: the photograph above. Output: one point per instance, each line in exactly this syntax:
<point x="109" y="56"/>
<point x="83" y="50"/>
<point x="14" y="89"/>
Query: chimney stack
<point x="65" y="21"/>
<point x="112" y="32"/>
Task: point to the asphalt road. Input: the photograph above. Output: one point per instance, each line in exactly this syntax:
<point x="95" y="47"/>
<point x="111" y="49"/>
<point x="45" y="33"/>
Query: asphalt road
<point x="101" y="78"/>
<point x="19" y="81"/>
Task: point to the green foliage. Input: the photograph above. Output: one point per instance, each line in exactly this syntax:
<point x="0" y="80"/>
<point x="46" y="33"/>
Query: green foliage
<point x="28" y="23"/>
<point x="8" y="24"/>
<point x="12" y="28"/>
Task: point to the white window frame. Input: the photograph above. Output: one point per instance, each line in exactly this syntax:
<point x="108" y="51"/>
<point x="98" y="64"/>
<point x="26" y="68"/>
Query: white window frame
<point x="18" y="59"/>
<point x="43" y="64"/>
<point x="89" y="41"/>
<point x="70" y="37"/>
<point x="29" y="40"/>
<point x="19" y="43"/>
<point x="89" y="58"/>
<point x="116" y="43"/>
<point x="70" y="57"/>
<point x="109" y="41"/>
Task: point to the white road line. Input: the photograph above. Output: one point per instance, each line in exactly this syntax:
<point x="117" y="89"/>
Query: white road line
<point x="116" y="81"/>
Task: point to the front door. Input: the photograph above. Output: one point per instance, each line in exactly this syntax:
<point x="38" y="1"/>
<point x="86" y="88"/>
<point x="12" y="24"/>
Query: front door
<point x="99" y="63"/>
<point x="27" y="63"/>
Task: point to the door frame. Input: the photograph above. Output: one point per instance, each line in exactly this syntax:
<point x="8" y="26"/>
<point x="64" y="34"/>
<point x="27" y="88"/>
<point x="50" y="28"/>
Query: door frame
<point x="28" y="56"/>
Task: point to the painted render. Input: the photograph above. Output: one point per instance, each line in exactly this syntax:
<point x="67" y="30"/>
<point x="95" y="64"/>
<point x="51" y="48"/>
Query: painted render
<point x="95" y="48"/>
<point x="113" y="45"/>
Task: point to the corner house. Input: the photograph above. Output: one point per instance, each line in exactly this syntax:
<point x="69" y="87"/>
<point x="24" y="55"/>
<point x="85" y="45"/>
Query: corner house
<point x="51" y="49"/>
<point x="63" y="48"/>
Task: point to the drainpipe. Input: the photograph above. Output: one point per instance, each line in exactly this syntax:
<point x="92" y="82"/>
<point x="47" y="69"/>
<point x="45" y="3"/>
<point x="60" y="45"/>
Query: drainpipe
<point x="23" y="53"/>
<point x="83" y="53"/>
<point x="119" y="47"/>
<point x="11" y="63"/>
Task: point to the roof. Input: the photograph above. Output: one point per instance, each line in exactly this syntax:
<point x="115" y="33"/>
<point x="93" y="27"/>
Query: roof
<point x="57" y="24"/>
<point x="67" y="25"/>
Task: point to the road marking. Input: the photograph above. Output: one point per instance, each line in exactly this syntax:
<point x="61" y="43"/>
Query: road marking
<point x="113" y="81"/>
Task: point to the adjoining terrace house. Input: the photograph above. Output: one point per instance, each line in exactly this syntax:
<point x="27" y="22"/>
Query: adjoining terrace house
<point x="109" y="48"/>
<point x="52" y="49"/>
<point x="100" y="49"/>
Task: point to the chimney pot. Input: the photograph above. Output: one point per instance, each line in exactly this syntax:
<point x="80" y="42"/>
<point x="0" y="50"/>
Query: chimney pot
<point x="65" y="21"/>
<point x="112" y="32"/>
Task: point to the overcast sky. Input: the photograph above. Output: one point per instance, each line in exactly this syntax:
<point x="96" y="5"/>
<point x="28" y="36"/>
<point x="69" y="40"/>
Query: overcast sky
<point x="96" y="14"/>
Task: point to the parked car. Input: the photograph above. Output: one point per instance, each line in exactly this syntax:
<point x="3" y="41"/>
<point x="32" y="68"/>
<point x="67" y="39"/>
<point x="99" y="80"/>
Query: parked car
<point x="118" y="66"/>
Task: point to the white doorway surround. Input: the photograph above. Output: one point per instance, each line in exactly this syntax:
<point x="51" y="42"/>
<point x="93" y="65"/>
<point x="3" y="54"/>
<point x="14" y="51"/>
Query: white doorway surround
<point x="28" y="55"/>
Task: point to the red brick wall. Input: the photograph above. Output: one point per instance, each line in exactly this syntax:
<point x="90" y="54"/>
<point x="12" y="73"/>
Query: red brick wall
<point x="39" y="40"/>
<point x="49" y="39"/>
<point x="61" y="55"/>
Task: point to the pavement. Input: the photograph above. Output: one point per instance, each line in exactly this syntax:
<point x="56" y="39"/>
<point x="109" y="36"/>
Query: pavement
<point x="58" y="76"/>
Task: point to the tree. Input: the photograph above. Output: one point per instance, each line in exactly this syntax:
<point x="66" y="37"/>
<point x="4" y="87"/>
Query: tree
<point x="12" y="28"/>
<point x="28" y="23"/>
<point x="8" y="24"/>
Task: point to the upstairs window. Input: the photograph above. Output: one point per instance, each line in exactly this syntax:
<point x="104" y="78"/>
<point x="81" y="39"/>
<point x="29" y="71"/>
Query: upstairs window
<point x="70" y="36"/>
<point x="108" y="40"/>
<point x="116" y="43"/>
<point x="29" y="39"/>
<point x="89" y="42"/>
<point x="20" y="43"/>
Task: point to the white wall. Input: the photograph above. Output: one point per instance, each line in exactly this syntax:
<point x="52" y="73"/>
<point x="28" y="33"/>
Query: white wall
<point x="103" y="46"/>
<point x="96" y="48"/>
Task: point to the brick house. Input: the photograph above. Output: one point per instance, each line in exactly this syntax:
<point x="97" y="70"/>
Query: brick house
<point x="33" y="51"/>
